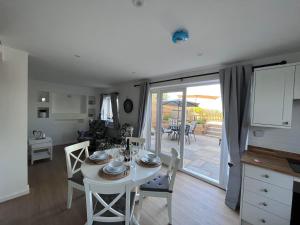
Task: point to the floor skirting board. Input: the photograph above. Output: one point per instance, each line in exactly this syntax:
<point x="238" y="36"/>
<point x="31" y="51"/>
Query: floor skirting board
<point x="20" y="193"/>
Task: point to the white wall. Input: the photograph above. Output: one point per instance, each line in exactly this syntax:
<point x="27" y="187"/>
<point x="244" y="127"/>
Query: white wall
<point x="280" y="139"/>
<point x="61" y="131"/>
<point x="127" y="90"/>
<point x="13" y="120"/>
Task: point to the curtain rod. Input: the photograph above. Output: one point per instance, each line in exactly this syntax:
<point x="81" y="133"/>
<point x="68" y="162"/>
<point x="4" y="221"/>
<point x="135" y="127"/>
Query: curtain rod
<point x="212" y="73"/>
<point x="110" y="93"/>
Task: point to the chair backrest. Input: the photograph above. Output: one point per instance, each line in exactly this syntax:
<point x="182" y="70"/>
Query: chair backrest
<point x="78" y="152"/>
<point x="136" y="141"/>
<point x="187" y="129"/>
<point x="99" y="193"/>
<point x="193" y="125"/>
<point x="173" y="167"/>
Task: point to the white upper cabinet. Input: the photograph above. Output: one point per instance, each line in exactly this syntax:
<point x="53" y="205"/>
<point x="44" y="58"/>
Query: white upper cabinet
<point x="272" y="97"/>
<point x="297" y="83"/>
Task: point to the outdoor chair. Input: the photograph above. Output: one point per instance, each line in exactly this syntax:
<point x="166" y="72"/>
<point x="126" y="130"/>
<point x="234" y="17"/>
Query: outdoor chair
<point x="166" y="131"/>
<point x="193" y="128"/>
<point x="186" y="134"/>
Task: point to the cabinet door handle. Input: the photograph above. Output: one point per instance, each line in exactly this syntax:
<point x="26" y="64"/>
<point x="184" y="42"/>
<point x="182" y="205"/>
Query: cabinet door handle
<point x="263" y="220"/>
<point x="263" y="203"/>
<point x="266" y="176"/>
<point x="285" y="123"/>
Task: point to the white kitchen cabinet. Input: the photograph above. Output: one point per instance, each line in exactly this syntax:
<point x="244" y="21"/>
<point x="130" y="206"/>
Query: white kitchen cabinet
<point x="297" y="83"/>
<point x="272" y="96"/>
<point x="266" y="196"/>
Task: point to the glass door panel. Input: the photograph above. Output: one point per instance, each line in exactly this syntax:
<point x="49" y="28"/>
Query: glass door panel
<point x="189" y="119"/>
<point x="171" y="121"/>
<point x="203" y="134"/>
<point x="153" y="122"/>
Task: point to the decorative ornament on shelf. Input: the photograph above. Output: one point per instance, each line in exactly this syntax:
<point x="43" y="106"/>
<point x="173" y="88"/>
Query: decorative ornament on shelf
<point x="180" y="35"/>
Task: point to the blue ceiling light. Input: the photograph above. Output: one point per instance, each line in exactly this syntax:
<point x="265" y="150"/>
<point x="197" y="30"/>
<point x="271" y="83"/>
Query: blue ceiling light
<point x="180" y="35"/>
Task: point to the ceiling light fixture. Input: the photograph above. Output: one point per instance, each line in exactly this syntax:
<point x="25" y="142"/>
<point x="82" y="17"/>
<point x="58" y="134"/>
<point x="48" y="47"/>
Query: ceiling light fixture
<point x="138" y="3"/>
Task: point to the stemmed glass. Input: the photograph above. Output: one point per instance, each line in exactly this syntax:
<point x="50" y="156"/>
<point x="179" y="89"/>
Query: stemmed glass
<point x="134" y="152"/>
<point x="117" y="153"/>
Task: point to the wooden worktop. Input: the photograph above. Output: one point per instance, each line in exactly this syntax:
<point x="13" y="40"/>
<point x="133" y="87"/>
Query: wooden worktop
<point x="270" y="159"/>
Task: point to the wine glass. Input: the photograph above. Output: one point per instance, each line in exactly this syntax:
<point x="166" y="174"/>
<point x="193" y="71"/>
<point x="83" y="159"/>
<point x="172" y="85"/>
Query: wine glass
<point x="134" y="152"/>
<point x="118" y="154"/>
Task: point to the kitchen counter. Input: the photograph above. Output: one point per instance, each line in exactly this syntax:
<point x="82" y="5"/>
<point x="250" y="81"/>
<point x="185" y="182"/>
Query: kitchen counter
<point x="270" y="159"/>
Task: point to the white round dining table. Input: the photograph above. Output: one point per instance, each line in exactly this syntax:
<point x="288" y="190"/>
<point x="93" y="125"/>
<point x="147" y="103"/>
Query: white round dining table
<point x="137" y="176"/>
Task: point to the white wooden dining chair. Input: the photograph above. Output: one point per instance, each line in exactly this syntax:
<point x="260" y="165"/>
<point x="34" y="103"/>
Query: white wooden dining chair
<point x="136" y="141"/>
<point x="75" y="155"/>
<point x="110" y="204"/>
<point x="141" y="143"/>
<point x="162" y="185"/>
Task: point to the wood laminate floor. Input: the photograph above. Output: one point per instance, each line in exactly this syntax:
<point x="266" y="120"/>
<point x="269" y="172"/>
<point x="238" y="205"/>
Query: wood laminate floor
<point x="195" y="202"/>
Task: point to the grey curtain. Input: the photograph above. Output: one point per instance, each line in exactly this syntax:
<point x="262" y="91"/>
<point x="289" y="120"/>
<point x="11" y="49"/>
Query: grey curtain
<point x="144" y="92"/>
<point x="101" y="103"/>
<point x="115" y="110"/>
<point x="235" y="90"/>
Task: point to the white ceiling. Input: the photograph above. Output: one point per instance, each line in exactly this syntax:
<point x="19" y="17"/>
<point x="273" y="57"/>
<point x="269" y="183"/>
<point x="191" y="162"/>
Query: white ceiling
<point x="115" y="38"/>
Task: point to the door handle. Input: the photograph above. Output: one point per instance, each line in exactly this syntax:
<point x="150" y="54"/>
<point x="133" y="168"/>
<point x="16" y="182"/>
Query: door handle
<point x="263" y="204"/>
<point x="263" y="220"/>
<point x="230" y="164"/>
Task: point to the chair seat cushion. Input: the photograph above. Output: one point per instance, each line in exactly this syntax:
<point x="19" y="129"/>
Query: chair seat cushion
<point x="77" y="178"/>
<point x="158" y="184"/>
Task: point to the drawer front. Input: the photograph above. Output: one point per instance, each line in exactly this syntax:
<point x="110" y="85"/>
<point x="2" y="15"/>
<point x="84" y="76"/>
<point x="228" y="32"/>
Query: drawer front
<point x="256" y="216"/>
<point x="271" y="206"/>
<point x="41" y="145"/>
<point x="268" y="190"/>
<point x="269" y="176"/>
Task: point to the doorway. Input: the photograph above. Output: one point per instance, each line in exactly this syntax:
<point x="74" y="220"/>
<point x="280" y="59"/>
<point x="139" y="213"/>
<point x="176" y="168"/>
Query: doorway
<point x="189" y="119"/>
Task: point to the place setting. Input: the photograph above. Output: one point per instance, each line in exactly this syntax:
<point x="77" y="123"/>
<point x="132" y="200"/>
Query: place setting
<point x="149" y="160"/>
<point x="99" y="158"/>
<point x="114" y="170"/>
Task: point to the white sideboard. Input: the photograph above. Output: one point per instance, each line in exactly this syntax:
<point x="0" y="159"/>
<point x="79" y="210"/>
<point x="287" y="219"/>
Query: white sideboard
<point x="40" y="149"/>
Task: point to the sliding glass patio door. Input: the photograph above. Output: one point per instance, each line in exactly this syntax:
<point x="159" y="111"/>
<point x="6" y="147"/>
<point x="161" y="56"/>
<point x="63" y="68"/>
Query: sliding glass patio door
<point x="202" y="153"/>
<point x="189" y="120"/>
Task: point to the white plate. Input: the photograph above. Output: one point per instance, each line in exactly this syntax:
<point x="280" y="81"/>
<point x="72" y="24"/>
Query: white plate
<point x="150" y="159"/>
<point x="98" y="155"/>
<point x="114" y="167"/>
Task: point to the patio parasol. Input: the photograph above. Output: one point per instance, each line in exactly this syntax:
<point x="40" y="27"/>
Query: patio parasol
<point x="178" y="103"/>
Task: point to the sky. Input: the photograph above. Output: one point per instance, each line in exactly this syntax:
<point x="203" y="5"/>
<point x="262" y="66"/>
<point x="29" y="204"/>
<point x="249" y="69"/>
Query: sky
<point x="209" y="90"/>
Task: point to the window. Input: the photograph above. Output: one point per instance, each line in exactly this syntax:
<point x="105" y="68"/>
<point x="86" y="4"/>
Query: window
<point x="106" y="110"/>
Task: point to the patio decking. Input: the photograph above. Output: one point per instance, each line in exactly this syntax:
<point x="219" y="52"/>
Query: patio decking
<point x="200" y="157"/>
